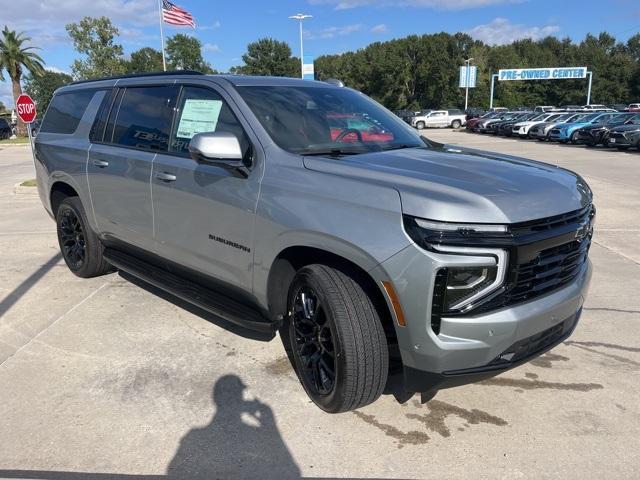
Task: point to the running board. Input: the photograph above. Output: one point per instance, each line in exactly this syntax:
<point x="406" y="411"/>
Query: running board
<point x="189" y="291"/>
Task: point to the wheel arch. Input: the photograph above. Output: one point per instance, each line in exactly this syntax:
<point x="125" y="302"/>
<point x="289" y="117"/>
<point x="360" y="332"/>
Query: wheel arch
<point x="293" y="258"/>
<point x="58" y="192"/>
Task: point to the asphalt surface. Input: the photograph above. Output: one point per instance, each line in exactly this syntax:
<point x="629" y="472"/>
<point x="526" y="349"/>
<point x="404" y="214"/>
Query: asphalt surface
<point x="104" y="378"/>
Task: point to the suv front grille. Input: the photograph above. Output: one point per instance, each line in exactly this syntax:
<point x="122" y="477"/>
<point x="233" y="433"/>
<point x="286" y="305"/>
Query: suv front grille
<point x="552" y="269"/>
<point x="533" y="272"/>
<point x="547" y="255"/>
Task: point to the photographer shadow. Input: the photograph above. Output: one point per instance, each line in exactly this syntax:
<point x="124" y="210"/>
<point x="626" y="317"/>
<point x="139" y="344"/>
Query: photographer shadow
<point x="242" y="441"/>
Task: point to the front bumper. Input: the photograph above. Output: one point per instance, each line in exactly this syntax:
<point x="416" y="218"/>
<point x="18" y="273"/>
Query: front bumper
<point x="558" y="135"/>
<point x="519" y="353"/>
<point x="591" y="136"/>
<point x="620" y="140"/>
<point x="466" y="348"/>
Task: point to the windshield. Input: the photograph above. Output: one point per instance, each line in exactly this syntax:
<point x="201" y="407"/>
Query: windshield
<point x="320" y="120"/>
<point x="618" y="119"/>
<point x="588" y="118"/>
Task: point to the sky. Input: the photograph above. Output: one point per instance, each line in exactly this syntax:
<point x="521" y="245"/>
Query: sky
<point x="226" y="27"/>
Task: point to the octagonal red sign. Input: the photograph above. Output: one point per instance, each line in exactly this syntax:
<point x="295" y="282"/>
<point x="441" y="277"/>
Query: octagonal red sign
<point x="26" y="108"/>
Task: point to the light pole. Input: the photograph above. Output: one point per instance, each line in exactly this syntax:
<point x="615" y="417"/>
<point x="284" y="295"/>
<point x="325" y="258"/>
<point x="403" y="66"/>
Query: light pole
<point x="300" y="17"/>
<point x="466" y="93"/>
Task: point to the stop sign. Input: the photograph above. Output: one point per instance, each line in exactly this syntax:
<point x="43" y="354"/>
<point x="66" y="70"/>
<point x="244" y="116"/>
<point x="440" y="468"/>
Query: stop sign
<point x="26" y="108"/>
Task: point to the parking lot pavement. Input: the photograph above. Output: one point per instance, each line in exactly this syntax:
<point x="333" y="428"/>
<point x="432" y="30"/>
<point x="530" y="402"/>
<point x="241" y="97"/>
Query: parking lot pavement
<point x="105" y="378"/>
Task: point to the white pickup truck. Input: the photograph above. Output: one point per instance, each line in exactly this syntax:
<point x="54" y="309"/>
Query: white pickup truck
<point x="439" y="118"/>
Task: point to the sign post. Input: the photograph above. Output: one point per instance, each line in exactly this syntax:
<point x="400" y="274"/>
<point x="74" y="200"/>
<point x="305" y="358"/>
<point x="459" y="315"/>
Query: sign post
<point x="26" y="110"/>
<point x="468" y="77"/>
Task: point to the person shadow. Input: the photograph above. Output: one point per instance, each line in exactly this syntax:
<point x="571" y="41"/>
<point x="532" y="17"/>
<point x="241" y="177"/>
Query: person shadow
<point x="242" y="441"/>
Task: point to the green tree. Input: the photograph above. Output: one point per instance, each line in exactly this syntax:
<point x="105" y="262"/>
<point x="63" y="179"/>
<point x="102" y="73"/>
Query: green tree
<point x="15" y="57"/>
<point x="185" y="53"/>
<point x="268" y="56"/>
<point x="41" y="87"/>
<point x="146" y="59"/>
<point x="94" y="38"/>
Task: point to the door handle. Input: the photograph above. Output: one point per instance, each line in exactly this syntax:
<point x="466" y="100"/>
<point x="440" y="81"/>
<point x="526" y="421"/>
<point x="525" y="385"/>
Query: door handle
<point x="100" y="163"/>
<point x="165" y="177"/>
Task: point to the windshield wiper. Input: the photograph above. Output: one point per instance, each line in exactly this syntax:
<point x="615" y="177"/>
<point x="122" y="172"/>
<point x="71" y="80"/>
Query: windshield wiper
<point x="400" y="147"/>
<point x="333" y="150"/>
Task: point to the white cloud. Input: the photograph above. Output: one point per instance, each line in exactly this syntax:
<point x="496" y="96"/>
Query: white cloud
<point x="382" y="28"/>
<point x="213" y="26"/>
<point x="45" y="21"/>
<point x="57" y="70"/>
<point x="434" y="4"/>
<point x="211" y="47"/>
<point x="501" y="31"/>
<point x="332" y="32"/>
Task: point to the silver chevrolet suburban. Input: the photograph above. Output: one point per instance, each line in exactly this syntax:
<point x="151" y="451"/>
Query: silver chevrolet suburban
<point x="305" y="207"/>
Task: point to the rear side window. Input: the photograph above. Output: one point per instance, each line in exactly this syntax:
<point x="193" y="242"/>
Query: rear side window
<point x="143" y="119"/>
<point x="65" y="111"/>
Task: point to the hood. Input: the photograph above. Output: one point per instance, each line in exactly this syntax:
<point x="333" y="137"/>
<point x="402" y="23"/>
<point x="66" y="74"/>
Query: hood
<point x="489" y="121"/>
<point x="456" y="185"/>
<point x="525" y="124"/>
<point x="567" y="126"/>
<point x="545" y="124"/>
<point x="626" y="128"/>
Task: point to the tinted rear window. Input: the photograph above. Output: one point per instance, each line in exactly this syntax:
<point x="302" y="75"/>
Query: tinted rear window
<point x="65" y="111"/>
<point x="143" y="119"/>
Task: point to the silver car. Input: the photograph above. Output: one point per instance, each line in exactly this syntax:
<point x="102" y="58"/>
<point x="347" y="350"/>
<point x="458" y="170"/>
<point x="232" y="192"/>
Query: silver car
<point x="274" y="204"/>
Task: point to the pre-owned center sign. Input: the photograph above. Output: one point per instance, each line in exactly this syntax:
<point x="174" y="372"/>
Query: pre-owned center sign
<point x="542" y="73"/>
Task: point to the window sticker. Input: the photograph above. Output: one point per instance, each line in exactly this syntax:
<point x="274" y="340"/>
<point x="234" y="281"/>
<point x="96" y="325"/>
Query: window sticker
<point x="198" y="116"/>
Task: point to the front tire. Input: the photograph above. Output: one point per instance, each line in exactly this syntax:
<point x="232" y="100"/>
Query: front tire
<point x="338" y="345"/>
<point x="420" y="125"/>
<point x="456" y="124"/>
<point x="574" y="138"/>
<point x="79" y="245"/>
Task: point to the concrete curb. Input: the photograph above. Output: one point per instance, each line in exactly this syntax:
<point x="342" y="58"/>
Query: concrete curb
<point x="20" y="190"/>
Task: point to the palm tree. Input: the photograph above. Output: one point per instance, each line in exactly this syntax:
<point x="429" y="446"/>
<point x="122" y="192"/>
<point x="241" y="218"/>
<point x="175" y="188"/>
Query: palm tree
<point x="14" y="58"/>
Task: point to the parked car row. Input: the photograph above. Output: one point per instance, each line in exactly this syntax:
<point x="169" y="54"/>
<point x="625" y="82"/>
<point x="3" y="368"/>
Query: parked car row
<point x="594" y="127"/>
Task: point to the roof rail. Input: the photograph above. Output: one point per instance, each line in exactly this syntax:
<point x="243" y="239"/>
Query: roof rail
<point x="136" y="75"/>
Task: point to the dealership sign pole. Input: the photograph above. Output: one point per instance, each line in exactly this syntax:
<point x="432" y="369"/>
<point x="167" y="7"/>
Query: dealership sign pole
<point x="564" y="73"/>
<point x="26" y="110"/>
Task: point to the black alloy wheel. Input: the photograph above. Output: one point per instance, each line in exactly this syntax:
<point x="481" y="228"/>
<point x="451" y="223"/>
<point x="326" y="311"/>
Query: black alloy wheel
<point x="72" y="239"/>
<point x="80" y="246"/>
<point x="314" y="341"/>
<point x="334" y="337"/>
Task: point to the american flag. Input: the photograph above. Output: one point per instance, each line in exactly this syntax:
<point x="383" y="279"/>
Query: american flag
<point x="174" y="15"/>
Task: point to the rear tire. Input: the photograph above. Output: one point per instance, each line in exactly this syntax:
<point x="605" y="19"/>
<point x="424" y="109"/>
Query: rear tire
<point x="79" y="245"/>
<point x="337" y="342"/>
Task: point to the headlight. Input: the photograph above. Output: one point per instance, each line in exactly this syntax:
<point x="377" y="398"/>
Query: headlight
<point x="459" y="288"/>
<point x="460" y="285"/>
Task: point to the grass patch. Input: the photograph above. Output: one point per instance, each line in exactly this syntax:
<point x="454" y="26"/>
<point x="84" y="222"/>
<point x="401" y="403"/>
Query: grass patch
<point x="29" y="183"/>
<point x="15" y="141"/>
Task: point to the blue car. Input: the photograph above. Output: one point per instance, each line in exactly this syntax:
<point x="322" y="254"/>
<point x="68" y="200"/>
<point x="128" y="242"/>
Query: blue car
<point x="568" y="132"/>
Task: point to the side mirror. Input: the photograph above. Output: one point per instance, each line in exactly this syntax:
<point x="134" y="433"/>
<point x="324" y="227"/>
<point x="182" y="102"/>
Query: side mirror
<point x="219" y="148"/>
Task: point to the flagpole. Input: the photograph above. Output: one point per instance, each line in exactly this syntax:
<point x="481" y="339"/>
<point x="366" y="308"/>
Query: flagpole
<point x="164" y="63"/>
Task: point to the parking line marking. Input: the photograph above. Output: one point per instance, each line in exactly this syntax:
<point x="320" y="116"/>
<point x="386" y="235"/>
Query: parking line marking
<point x="77" y="305"/>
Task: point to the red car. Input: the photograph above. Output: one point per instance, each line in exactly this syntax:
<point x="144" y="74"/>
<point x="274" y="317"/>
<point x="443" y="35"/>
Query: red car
<point x="471" y="123"/>
<point x="340" y="123"/>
